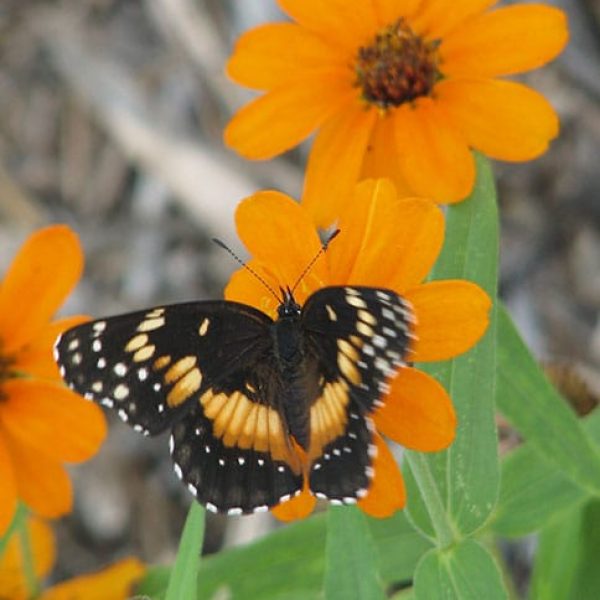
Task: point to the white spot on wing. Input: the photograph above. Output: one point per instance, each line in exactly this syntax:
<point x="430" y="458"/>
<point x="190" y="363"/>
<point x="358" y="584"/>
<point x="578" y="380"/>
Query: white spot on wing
<point x="121" y="392"/>
<point x="120" y="369"/>
<point x="177" y="470"/>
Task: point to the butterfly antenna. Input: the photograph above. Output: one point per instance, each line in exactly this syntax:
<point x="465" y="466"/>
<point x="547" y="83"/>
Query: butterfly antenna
<point x="249" y="269"/>
<point x="322" y="251"/>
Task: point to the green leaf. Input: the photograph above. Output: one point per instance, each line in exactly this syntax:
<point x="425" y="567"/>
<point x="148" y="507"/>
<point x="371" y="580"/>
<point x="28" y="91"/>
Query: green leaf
<point x="467" y="474"/>
<point x="463" y="572"/>
<point x="291" y="561"/>
<point x="534" y="491"/>
<point x="399" y="547"/>
<point x="154" y="584"/>
<point x="528" y="400"/>
<point x="182" y="582"/>
<point x="566" y="564"/>
<point x="351" y="557"/>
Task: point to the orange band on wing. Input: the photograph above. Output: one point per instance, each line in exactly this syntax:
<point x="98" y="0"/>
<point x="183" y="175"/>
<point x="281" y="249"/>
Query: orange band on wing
<point x="242" y="423"/>
<point x="328" y="416"/>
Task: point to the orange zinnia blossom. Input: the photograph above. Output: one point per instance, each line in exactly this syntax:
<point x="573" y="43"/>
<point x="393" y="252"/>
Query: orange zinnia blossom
<point x="384" y="242"/>
<point x="396" y="88"/>
<point x="42" y="423"/>
<point x="113" y="583"/>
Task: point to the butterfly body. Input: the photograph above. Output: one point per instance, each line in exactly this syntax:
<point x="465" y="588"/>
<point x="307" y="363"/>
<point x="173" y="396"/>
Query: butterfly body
<point x="256" y="406"/>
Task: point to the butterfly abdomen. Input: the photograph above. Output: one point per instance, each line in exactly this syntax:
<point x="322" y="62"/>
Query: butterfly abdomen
<point x="296" y="375"/>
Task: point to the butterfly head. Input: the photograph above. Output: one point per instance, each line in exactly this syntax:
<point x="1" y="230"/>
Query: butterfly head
<point x="288" y="307"/>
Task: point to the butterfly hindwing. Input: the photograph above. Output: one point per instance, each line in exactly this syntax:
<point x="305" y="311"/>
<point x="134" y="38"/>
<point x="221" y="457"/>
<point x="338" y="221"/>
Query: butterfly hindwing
<point x="233" y="450"/>
<point x="249" y="471"/>
<point x="360" y="336"/>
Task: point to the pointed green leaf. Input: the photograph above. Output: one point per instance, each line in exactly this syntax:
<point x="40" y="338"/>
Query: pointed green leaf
<point x="182" y="582"/>
<point x="534" y="491"/>
<point x="566" y="563"/>
<point x="351" y="560"/>
<point x="467" y="474"/>
<point x="528" y="400"/>
<point x="463" y="572"/>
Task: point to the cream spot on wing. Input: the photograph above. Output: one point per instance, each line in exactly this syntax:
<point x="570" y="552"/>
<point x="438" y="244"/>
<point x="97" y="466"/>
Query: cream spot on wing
<point x="204" y="326"/>
<point x="144" y="353"/>
<point x="151" y="324"/>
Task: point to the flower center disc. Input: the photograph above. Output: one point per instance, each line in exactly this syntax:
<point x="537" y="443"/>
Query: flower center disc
<point x="397" y="67"/>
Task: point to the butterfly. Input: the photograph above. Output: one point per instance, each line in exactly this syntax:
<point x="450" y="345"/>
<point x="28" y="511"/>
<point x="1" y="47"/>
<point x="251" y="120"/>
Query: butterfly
<point x="255" y="406"/>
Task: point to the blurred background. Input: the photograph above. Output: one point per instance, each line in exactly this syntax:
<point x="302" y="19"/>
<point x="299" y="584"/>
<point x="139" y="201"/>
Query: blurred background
<point x="111" y="117"/>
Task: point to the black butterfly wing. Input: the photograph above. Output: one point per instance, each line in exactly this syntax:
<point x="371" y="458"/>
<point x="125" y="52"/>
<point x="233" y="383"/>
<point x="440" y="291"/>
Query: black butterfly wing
<point x="203" y="368"/>
<point x="360" y="336"/>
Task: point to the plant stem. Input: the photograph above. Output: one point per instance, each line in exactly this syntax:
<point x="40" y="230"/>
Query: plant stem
<point x="27" y="553"/>
<point x="444" y="532"/>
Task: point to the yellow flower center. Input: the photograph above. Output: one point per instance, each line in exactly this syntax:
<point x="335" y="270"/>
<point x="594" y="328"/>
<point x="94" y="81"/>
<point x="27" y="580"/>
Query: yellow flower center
<point x="398" y="66"/>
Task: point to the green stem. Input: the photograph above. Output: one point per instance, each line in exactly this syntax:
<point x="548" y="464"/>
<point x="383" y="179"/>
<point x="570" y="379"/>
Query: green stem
<point x="12" y="528"/>
<point x="444" y="531"/>
<point x="27" y="554"/>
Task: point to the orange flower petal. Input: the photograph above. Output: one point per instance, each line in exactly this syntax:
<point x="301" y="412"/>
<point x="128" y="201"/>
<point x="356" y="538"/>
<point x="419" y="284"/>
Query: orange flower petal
<point x="434" y="19"/>
<point x="36" y="359"/>
<point x="42" y="483"/>
<point x="388" y="11"/>
<point x="349" y="24"/>
<point x="113" y="583"/>
<point x="417" y="413"/>
<point x="267" y="56"/>
<point x="297" y="508"/>
<point x="451" y="317"/>
<point x="503" y="119"/>
<point x="296" y="108"/>
<point x="12" y="570"/>
<point x="386" y="494"/>
<point x="381" y="155"/>
<point x="52" y="419"/>
<point x="505" y="41"/>
<point x="335" y="162"/>
<point x="44" y="271"/>
<point x="246" y="288"/>
<point x="8" y="493"/>
<point x="273" y="226"/>
<point x="435" y="159"/>
<point x="385" y="241"/>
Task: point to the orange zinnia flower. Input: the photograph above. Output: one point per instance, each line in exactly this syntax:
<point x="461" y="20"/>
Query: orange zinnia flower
<point x="113" y="583"/>
<point x="384" y="242"/>
<point x="42" y="423"/>
<point x="396" y="88"/>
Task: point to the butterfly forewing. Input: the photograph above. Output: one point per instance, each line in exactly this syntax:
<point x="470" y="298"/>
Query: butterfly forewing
<point x="149" y="365"/>
<point x="361" y="336"/>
